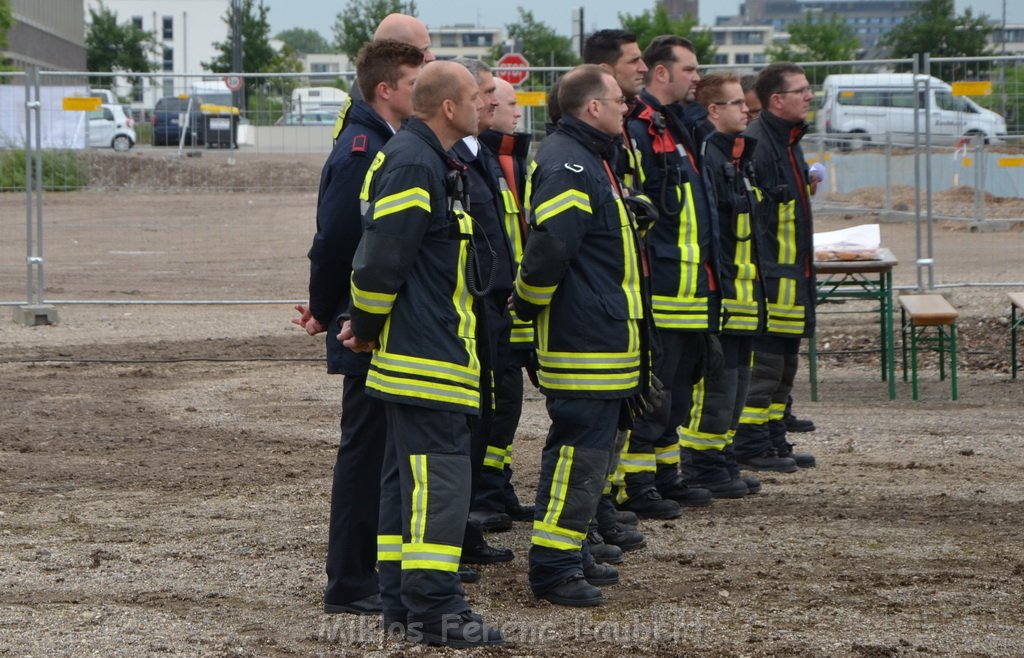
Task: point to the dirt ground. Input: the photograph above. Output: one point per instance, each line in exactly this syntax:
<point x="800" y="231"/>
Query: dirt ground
<point x="165" y="469"/>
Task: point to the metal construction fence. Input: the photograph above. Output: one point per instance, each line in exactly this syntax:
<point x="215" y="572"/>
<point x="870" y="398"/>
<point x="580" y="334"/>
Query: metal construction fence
<point x="200" y="142"/>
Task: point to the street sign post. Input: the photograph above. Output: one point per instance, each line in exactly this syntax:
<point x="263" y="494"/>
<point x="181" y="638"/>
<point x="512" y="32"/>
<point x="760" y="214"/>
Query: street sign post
<point x="512" y="68"/>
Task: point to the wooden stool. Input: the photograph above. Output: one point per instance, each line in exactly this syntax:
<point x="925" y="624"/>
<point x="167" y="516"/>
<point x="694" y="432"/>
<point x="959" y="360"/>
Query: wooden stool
<point x="1016" y="319"/>
<point x="919" y="314"/>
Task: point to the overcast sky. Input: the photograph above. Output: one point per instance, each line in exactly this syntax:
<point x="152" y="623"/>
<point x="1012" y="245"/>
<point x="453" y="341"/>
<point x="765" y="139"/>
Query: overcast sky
<point x="320" y="14"/>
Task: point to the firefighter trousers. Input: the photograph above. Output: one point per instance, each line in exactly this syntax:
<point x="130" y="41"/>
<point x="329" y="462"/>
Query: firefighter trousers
<point x="773" y="370"/>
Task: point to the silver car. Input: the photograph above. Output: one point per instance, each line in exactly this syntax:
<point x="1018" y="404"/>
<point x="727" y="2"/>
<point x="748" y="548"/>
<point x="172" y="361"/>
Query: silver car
<point x="110" y="127"/>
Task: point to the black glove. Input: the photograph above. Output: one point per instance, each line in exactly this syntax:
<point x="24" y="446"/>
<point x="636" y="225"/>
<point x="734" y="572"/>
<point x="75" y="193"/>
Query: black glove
<point x="643" y="211"/>
<point x="532" y="366"/>
<point x="714" y="358"/>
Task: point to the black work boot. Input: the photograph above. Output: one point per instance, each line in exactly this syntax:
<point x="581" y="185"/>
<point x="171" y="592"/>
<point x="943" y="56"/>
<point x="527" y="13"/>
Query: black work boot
<point x="491" y="521"/>
<point x="624" y="537"/>
<point x="575" y="592"/>
<point x="686" y="496"/>
<point x="602" y="552"/>
<point x="625" y="517"/>
<point x="728" y="488"/>
<point x="768" y="461"/>
<point x="650" y="505"/>
<point x="519" y="512"/>
<point x="468" y="574"/>
<point x="794" y="424"/>
<point x="802" y="459"/>
<point x="486" y="554"/>
<point x="600" y="575"/>
<point x="461" y="631"/>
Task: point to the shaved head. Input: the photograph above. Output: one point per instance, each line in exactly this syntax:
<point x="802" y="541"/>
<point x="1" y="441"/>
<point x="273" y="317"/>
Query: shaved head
<point x="439" y="81"/>
<point x="507" y="114"/>
<point x="407" y="29"/>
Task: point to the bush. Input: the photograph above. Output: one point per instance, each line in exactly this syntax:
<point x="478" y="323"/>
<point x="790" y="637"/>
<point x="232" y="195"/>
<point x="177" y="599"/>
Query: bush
<point x="62" y="170"/>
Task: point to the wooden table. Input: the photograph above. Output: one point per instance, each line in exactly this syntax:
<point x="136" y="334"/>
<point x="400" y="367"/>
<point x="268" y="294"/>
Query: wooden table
<point x="859" y="279"/>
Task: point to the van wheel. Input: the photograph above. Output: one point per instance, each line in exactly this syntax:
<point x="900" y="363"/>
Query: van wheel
<point x="122" y="143"/>
<point x="856" y="140"/>
<point x="975" y="133"/>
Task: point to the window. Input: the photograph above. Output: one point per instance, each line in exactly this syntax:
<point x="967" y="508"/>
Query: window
<point x="721" y="59"/>
<point x="477" y="39"/>
<point x="760" y="58"/>
<point x="168" y="63"/>
<point x="449" y="40"/>
<point x="748" y="37"/>
<point x="137" y="22"/>
<point x="742" y="58"/>
<point x="168" y="87"/>
<point x="168" y="28"/>
<point x="718" y="38"/>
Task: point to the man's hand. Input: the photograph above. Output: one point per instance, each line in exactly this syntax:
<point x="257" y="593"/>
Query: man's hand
<point x="349" y="340"/>
<point x="307" y="321"/>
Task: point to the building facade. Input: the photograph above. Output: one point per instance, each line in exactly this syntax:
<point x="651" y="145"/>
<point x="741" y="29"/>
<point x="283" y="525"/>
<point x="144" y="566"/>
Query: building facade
<point x="464" y="41"/>
<point x="47" y="34"/>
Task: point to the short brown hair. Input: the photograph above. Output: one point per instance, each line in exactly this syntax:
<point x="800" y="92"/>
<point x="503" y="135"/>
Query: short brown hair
<point x="661" y="50"/>
<point x="379" y="61"/>
<point x="577" y="87"/>
<point x="709" y="89"/>
<point x="772" y="80"/>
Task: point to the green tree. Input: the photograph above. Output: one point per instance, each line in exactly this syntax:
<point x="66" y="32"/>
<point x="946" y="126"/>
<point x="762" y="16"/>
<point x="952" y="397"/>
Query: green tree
<point x="537" y="42"/>
<point x="355" y="25"/>
<point x="258" y="56"/>
<point x="6" y="23"/>
<point x="935" y="28"/>
<point x="116" y="47"/>
<point x="304" y="41"/>
<point x="815" y="39"/>
<point x="650" y="24"/>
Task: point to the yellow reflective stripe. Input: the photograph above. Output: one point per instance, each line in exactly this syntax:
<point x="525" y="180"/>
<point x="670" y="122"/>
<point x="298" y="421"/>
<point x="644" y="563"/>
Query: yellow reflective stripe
<point x="671" y="321"/>
<point x="445" y="370"/>
<point x="462" y="299"/>
<point x="438" y="557"/>
<point x="551" y="536"/>
<point x="339" y="123"/>
<point x="418" y="519"/>
<point x="592" y="382"/>
<point x="786" y="236"/>
<point x="423" y="390"/>
<point x="378" y="303"/>
<point x="630" y="272"/>
<point x="415" y="197"/>
<point x="776" y="410"/>
<point x="378" y="161"/>
<point x="689" y="246"/>
<point x="589" y="360"/>
<point x="536" y="295"/>
<point x="569" y="199"/>
<point x="559" y="486"/>
<point x="495" y="457"/>
<point x="754" y="416"/>
<point x="666" y="454"/>
<point x="389" y="548"/>
<point x="701" y="440"/>
<point x="522" y="333"/>
<point x="637" y="462"/>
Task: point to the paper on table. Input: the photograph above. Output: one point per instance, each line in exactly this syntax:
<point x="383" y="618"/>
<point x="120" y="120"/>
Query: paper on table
<point x="855" y="243"/>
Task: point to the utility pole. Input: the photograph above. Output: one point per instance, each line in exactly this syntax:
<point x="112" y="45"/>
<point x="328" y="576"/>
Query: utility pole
<point x="237" y="97"/>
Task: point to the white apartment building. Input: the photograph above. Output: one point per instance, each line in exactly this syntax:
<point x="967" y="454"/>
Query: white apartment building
<point x="743" y="45"/>
<point x="464" y="41"/>
<point x="185" y="31"/>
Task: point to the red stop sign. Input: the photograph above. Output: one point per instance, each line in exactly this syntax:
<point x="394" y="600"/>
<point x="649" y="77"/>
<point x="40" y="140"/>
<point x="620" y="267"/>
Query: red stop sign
<point x="512" y="68"/>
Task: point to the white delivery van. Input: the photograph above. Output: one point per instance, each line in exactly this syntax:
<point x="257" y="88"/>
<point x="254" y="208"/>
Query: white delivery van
<point x="864" y="107"/>
<point x="306" y="98"/>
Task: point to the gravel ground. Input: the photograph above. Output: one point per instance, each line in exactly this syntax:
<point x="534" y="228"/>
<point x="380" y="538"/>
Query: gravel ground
<point x="165" y="472"/>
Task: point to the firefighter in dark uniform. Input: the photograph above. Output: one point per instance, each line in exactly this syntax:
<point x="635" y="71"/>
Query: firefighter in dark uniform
<point x="387" y="69"/>
<point x="580" y="277"/>
<point x="683" y="246"/>
<point x="707" y="459"/>
<point x="508" y="151"/>
<point x="412" y="305"/>
<point x="787" y="267"/>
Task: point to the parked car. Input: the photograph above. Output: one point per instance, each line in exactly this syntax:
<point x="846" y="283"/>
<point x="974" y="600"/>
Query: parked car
<point x="110" y="127"/>
<point x="320" y="116"/>
<point x="864" y="107"/>
<point x="170" y="115"/>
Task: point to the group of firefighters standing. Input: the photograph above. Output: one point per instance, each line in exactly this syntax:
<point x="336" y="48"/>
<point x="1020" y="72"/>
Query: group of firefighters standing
<point x="650" y="270"/>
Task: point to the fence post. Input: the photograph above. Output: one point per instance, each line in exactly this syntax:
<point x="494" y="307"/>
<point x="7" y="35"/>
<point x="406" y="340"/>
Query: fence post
<point x="979" y="177"/>
<point x="888" y="175"/>
<point x="34" y="311"/>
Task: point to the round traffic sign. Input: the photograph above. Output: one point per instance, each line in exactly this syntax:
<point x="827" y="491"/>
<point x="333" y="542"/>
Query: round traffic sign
<point x="512" y="68"/>
<point x="234" y="82"/>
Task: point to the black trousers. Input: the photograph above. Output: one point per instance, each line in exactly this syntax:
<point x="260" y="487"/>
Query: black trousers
<point x="771" y="381"/>
<point x="352" y="532"/>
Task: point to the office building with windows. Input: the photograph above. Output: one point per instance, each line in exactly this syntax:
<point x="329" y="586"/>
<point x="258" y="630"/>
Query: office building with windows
<point x="47" y="34"/>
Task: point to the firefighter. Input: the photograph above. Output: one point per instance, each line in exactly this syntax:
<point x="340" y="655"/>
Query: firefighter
<point x="413" y="307"/>
<point x="387" y="71"/>
<point x="787" y="268"/>
<point x="580" y="278"/>
<point x="707" y="459"/>
<point x="682" y="246"/>
<point x="509" y="150"/>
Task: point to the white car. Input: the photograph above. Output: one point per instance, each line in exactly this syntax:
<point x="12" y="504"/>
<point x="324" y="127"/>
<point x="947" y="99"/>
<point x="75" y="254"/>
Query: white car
<point x="110" y="127"/>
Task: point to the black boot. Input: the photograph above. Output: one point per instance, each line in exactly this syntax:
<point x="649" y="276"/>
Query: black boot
<point x="461" y="631"/>
<point x="650" y="505"/>
<point x="575" y="592"/>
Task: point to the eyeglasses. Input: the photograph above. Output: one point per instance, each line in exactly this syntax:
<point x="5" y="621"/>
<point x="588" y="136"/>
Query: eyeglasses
<point x="738" y="102"/>
<point x="621" y="100"/>
<point x="803" y="91"/>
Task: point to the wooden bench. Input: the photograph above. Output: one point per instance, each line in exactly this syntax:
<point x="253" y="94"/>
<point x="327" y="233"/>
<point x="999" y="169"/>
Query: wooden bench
<point x="1016" y="319"/>
<point x="929" y="321"/>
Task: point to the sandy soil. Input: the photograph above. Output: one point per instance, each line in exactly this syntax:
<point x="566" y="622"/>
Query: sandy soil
<point x="165" y="470"/>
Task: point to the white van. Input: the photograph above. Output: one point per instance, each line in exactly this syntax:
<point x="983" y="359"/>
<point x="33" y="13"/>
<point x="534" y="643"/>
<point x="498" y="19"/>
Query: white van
<point x="305" y="98"/>
<point x="865" y="107"/>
